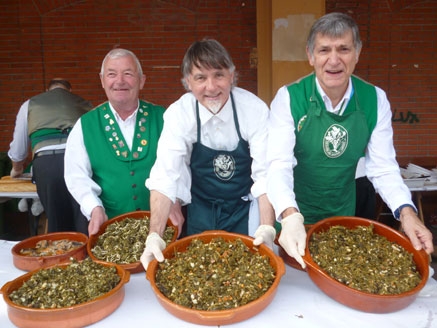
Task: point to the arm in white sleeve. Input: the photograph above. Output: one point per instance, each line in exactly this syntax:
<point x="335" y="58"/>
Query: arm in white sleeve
<point x="19" y="147"/>
<point x="280" y="154"/>
<point x="382" y="168"/>
<point x="255" y="126"/>
<point x="170" y="175"/>
<point x="78" y="172"/>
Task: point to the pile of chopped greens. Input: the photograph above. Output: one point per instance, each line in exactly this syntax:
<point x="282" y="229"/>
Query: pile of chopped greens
<point x="364" y="260"/>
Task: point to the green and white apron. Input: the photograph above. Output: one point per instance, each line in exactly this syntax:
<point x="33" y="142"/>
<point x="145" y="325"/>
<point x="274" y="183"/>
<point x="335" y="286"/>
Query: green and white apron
<point x="219" y="181"/>
<point x="327" y="150"/>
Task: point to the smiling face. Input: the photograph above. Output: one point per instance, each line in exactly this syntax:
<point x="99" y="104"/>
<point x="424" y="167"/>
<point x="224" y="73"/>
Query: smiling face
<point x="210" y="86"/>
<point x="122" y="83"/>
<point x="334" y="60"/>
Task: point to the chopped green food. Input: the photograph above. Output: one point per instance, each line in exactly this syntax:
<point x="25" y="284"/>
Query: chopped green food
<point x="217" y="275"/>
<point x="364" y="260"/>
<point x="60" y="287"/>
<point x="123" y="241"/>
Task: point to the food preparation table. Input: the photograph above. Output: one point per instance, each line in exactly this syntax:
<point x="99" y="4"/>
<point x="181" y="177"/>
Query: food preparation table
<point x="17" y="189"/>
<point x="298" y="303"/>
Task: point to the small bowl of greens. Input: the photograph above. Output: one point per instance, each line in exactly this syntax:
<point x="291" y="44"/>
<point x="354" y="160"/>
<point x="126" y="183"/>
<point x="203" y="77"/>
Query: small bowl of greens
<point x="121" y="240"/>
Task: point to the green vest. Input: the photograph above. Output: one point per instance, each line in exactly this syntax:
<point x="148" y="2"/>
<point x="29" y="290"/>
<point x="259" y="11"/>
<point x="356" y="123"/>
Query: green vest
<point x="328" y="147"/>
<point x="51" y="115"/>
<point x="120" y="172"/>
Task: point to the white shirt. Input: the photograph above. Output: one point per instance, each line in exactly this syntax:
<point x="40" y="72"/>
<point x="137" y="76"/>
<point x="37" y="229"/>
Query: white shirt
<point x="78" y="172"/>
<point x="171" y="173"/>
<point x="19" y="146"/>
<point x="381" y="166"/>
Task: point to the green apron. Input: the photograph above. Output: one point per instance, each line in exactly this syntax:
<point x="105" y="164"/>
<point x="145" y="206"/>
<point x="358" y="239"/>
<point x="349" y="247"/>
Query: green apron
<point x="219" y="181"/>
<point x="328" y="147"/>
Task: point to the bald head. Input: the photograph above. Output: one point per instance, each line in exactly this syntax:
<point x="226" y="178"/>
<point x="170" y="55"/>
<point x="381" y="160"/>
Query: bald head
<point x="59" y="83"/>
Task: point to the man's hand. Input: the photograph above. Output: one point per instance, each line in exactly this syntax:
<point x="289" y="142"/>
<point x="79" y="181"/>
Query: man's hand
<point x="176" y="216"/>
<point x="154" y="247"/>
<point x="416" y="231"/>
<point x="293" y="237"/>
<point x="16" y="172"/>
<point x="98" y="217"/>
<point x="265" y="234"/>
<point x="17" y="169"/>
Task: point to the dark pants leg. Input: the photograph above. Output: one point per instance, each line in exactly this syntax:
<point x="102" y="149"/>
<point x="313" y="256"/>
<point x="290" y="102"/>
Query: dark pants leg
<point x="62" y="211"/>
<point x="366" y="199"/>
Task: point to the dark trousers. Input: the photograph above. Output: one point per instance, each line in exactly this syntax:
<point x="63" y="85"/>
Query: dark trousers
<point x="366" y="199"/>
<point x="62" y="211"/>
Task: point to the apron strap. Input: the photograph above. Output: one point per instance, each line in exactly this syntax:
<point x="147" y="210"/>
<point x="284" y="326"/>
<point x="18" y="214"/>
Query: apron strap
<point x="234" y="110"/>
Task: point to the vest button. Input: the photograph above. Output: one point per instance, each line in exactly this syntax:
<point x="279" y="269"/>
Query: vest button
<point x="132" y="173"/>
<point x="134" y="185"/>
<point x="135" y="197"/>
<point x="138" y="209"/>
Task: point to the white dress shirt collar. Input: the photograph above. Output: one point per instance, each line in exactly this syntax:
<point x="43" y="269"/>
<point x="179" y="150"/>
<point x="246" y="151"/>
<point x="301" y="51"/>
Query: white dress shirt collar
<point x="127" y="126"/>
<point x="339" y="109"/>
<point x="128" y="119"/>
<point x="224" y="115"/>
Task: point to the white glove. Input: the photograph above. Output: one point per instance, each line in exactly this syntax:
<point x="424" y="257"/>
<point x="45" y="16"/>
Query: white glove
<point x="16" y="173"/>
<point x="154" y="247"/>
<point x="293" y="237"/>
<point x="265" y="234"/>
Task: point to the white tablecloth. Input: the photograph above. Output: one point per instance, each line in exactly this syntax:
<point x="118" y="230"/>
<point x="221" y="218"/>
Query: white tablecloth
<point x="298" y="303"/>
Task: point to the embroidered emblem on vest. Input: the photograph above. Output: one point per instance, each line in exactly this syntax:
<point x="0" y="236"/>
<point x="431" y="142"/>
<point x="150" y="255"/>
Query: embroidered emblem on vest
<point x="335" y="141"/>
<point x="224" y="166"/>
<point x="300" y="123"/>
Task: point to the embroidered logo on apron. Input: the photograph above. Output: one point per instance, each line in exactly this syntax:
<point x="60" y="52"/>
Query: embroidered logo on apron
<point x="335" y="141"/>
<point x="224" y="166"/>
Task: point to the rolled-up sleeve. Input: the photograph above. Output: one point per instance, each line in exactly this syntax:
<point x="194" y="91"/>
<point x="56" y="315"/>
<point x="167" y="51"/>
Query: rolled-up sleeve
<point x="19" y="147"/>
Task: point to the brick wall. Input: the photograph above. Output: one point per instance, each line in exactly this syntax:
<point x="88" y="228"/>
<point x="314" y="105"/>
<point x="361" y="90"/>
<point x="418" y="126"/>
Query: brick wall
<point x="399" y="55"/>
<point x="41" y="39"/>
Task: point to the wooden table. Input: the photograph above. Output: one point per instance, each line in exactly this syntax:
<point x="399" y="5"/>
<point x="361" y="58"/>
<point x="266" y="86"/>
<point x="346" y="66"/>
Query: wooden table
<point x="11" y="188"/>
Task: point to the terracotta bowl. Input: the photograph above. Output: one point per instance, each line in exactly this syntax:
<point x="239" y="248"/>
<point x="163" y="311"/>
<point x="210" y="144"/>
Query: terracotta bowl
<point x="221" y="317"/>
<point x="30" y="263"/>
<point x="134" y="267"/>
<point x="80" y="315"/>
<point x="356" y="299"/>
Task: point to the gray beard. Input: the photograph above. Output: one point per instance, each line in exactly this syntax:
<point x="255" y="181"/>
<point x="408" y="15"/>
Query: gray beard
<point x="214" y="106"/>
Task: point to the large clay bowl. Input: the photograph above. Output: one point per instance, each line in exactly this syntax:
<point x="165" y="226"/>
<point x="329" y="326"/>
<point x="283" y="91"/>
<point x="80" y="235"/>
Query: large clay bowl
<point x="353" y="298"/>
<point x="30" y="263"/>
<point x="134" y="267"/>
<point x="80" y="315"/>
<point x="221" y="317"/>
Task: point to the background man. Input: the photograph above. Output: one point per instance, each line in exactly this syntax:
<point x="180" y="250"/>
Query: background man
<point x="44" y="121"/>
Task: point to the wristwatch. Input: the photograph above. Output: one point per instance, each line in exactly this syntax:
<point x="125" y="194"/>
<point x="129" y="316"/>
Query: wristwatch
<point x="397" y="213"/>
